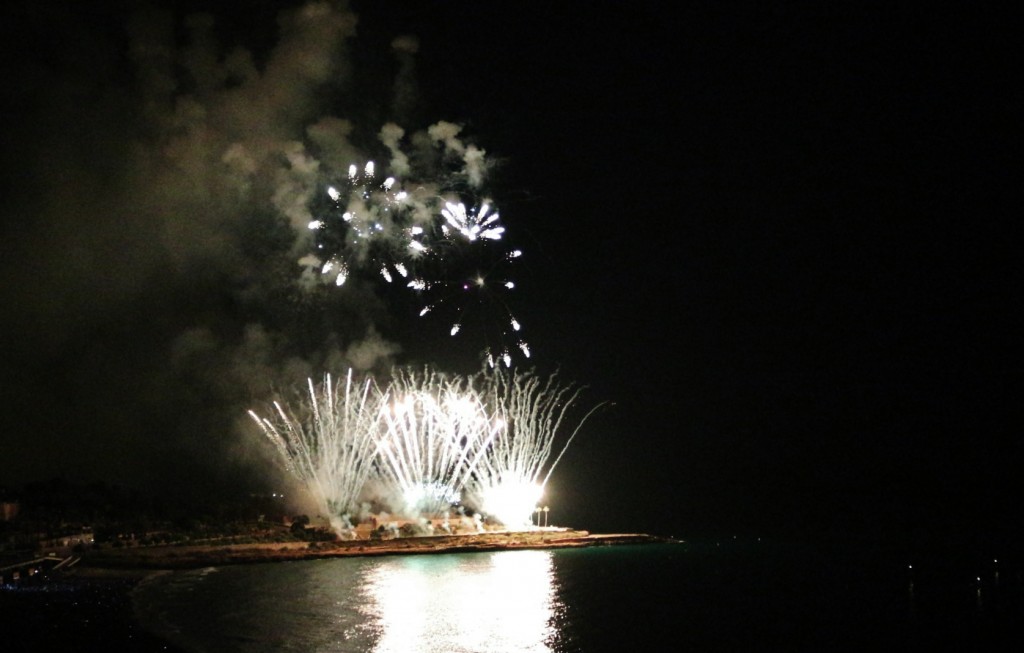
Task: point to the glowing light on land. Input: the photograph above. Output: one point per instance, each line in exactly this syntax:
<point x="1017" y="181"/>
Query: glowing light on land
<point x="511" y="502"/>
<point x="432" y="497"/>
<point x="534" y="411"/>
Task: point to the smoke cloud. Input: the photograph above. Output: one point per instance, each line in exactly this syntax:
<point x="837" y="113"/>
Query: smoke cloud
<point x="159" y="178"/>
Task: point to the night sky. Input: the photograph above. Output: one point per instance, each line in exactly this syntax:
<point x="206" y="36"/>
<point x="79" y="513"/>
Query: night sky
<point x="780" y="239"/>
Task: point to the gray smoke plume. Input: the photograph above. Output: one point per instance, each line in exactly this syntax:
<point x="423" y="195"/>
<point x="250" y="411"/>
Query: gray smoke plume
<point x="158" y="182"/>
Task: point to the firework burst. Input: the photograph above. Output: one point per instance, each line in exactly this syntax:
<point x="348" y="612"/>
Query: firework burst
<point x="431" y="440"/>
<point x="445" y="246"/>
<point x="367" y="225"/>
<point x="327" y="438"/>
<point x="508" y="481"/>
<point x="467" y="286"/>
<point x="473" y="225"/>
<point x="436" y="428"/>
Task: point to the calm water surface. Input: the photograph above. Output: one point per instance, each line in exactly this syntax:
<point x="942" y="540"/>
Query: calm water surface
<point x="706" y="597"/>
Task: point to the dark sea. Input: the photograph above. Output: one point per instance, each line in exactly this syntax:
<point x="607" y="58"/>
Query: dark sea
<point x="725" y="595"/>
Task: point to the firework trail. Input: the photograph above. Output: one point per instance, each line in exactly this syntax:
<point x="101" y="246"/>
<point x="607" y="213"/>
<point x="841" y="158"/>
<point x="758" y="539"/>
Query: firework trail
<point x="328" y="439"/>
<point x="466" y="284"/>
<point x="508" y="481"/>
<point x="430" y="440"/>
<point x="435" y="427"/>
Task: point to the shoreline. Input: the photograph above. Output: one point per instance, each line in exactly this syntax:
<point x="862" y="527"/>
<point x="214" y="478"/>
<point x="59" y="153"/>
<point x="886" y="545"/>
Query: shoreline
<point x="88" y="605"/>
<point x="198" y="556"/>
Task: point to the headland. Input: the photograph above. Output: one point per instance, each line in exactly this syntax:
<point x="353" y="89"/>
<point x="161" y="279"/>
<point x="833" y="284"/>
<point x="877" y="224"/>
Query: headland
<point x="198" y="556"/>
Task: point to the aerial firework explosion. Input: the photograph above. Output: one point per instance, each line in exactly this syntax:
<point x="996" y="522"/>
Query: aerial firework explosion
<point x="421" y="236"/>
<point x="211" y="168"/>
<point x="367" y="224"/>
<point x="432" y="441"/>
<point x="390" y="217"/>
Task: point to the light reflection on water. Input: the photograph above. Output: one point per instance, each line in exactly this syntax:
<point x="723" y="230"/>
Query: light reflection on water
<point x="475" y="602"/>
<point x="490" y="602"/>
<point x="595" y="600"/>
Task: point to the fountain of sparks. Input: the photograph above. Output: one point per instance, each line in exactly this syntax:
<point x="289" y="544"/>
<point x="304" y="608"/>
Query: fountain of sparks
<point x="327" y="439"/>
<point x="435" y="431"/>
<point x="432" y="440"/>
<point x="509" y="480"/>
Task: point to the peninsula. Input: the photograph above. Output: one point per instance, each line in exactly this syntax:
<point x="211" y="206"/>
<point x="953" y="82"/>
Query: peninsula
<point x="193" y="556"/>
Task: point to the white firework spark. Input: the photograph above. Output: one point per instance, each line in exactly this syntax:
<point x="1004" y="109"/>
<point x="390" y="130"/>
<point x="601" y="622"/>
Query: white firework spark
<point x="435" y="429"/>
<point x="471" y="225"/>
<point x="431" y="440"/>
<point x="422" y="239"/>
<point x="368" y="225"/>
<point x="511" y="478"/>
<point x="477" y="298"/>
<point x="327" y="439"/>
